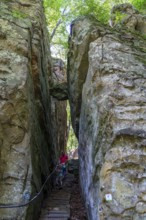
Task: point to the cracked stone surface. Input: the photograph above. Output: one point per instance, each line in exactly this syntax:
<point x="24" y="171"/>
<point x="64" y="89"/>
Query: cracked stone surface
<point x="107" y="96"/>
<point x="30" y="120"/>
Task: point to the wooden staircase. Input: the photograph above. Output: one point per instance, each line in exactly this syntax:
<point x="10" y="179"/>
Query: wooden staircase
<point x="57" y="207"/>
<point x="57" y="204"/>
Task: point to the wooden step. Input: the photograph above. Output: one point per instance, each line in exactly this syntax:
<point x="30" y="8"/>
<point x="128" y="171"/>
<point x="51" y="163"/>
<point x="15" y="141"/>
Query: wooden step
<point x="57" y="215"/>
<point x="57" y="205"/>
<point x="48" y="212"/>
<point x="46" y="218"/>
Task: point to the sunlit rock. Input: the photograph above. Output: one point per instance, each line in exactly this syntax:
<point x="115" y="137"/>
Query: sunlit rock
<point x="107" y="93"/>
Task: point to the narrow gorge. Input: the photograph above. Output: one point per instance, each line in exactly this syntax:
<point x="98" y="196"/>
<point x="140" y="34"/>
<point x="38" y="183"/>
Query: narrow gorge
<point x="105" y="84"/>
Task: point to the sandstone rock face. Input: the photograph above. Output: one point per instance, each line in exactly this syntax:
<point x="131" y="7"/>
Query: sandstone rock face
<point x="128" y="17"/>
<point x="107" y="95"/>
<point x="27" y="140"/>
<point x="59" y="94"/>
<point x="59" y="128"/>
<point x="78" y="67"/>
<point x="58" y="88"/>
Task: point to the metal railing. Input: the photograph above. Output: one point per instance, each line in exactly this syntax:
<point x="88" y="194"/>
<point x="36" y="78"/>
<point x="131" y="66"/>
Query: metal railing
<point x="32" y="199"/>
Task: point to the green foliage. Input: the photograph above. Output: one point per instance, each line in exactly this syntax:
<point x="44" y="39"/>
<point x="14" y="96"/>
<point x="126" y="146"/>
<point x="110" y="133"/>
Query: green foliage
<point x="139" y="4"/>
<point x="18" y="14"/>
<point x="60" y="14"/>
<point x="72" y="142"/>
<point x="100" y="9"/>
<point x="119" y="16"/>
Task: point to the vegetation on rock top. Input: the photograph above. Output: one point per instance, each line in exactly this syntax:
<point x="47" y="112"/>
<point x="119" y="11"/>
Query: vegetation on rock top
<point x="60" y="14"/>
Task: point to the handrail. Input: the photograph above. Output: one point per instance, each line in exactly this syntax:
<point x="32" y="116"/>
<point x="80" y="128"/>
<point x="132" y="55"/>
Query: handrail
<point x="31" y="200"/>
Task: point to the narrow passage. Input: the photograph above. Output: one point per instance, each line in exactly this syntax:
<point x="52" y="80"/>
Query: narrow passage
<point x="65" y="203"/>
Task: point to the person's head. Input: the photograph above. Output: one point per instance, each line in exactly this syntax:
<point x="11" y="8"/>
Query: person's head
<point x="62" y="153"/>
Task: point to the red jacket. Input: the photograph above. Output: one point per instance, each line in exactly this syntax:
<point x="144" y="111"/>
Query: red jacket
<point x="63" y="158"/>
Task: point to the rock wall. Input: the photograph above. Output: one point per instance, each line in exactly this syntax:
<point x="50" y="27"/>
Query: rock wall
<point x="107" y="87"/>
<point x="28" y="147"/>
<point x="58" y="91"/>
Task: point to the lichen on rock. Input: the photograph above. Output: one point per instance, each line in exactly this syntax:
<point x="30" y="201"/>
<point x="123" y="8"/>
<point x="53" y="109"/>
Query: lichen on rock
<point x="108" y="106"/>
<point x="125" y="15"/>
<point x="29" y="142"/>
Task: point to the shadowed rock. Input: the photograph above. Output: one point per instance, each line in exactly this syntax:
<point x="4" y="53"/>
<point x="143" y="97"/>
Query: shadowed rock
<point x="32" y="125"/>
<point x="59" y="91"/>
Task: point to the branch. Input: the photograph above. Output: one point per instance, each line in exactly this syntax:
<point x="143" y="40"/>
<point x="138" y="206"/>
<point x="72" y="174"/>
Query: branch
<point x="54" y="30"/>
<point x="57" y="25"/>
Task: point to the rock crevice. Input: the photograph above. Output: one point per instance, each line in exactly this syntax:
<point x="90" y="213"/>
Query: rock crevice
<point x="108" y="107"/>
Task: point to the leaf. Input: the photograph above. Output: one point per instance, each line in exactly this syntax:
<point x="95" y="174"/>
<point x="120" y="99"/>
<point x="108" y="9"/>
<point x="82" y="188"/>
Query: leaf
<point x="60" y="14"/>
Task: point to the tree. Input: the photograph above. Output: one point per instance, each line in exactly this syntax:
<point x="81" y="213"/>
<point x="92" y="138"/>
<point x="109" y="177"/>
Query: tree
<point x="140" y="5"/>
<point x="60" y="13"/>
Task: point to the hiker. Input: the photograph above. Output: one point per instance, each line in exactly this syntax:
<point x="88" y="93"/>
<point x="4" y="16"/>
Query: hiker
<point x="63" y="159"/>
<point x="59" y="177"/>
